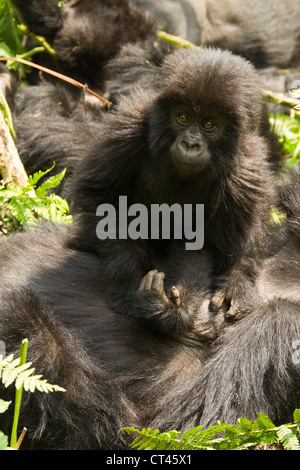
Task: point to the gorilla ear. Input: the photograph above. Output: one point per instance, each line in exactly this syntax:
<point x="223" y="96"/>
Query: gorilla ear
<point x="136" y="105"/>
<point x="158" y="120"/>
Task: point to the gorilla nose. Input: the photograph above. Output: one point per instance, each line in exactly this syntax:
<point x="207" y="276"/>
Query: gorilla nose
<point x="190" y="145"/>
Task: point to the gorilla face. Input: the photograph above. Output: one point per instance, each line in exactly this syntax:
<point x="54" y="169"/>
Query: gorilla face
<point x="194" y="133"/>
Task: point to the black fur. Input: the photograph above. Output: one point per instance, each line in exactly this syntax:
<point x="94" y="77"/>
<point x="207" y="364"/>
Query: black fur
<point x="266" y="33"/>
<point x="52" y="126"/>
<point x="91" y="410"/>
<point x="85" y="34"/>
<point x="55" y="125"/>
<point x="93" y="55"/>
<point x="161" y="364"/>
<point x="88" y="36"/>
<point x="254" y="365"/>
<point x="251" y="368"/>
<point x="133" y="157"/>
<point x="120" y="371"/>
<point x="117" y="371"/>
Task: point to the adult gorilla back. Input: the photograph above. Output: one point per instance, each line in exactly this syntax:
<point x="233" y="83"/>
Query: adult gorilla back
<point x="119" y="371"/>
<point x="87" y="34"/>
<point x="116" y="370"/>
<point x="266" y="33"/>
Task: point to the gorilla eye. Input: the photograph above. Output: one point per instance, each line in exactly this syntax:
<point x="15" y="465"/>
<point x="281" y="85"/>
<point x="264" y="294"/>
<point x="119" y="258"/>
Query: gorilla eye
<point x="208" y="125"/>
<point x="183" y="118"/>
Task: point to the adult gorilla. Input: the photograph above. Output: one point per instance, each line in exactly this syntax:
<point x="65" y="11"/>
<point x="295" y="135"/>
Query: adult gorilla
<point x="86" y="34"/>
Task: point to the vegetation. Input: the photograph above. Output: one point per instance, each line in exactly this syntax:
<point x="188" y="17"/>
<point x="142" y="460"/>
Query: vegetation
<point x="19" y="371"/>
<point x="288" y="130"/>
<point x="245" y="434"/>
<point x="23" y="207"/>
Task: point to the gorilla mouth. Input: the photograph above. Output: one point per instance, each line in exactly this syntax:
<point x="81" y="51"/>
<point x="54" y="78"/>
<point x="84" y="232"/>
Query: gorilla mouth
<point x="189" y="166"/>
<point x="194" y="164"/>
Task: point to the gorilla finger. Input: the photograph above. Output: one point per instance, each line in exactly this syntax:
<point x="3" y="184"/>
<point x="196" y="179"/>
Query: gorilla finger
<point x="146" y="283"/>
<point x="235" y="312"/>
<point x="158" y="282"/>
<point x="217" y="301"/>
<point x="175" y="297"/>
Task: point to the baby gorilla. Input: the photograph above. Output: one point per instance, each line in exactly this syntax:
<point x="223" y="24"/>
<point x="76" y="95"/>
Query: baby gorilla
<point x="192" y="138"/>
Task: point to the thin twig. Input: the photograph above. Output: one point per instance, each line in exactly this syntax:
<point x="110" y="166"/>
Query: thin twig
<point x="21" y="437"/>
<point x="280" y="98"/>
<point x="58" y="75"/>
<point x="40" y="39"/>
<point x="176" y="40"/>
<point x="35" y="50"/>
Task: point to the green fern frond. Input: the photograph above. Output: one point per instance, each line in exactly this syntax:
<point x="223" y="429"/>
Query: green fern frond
<point x="35" y="178"/>
<point x="50" y="183"/>
<point x="20" y="211"/>
<point x="27" y="205"/>
<point x="188" y="437"/>
<point x="11" y="371"/>
<point x="288" y="438"/>
<point x="154" y="440"/>
<point x="297" y="417"/>
<point x="244" y="434"/>
<point x="149" y="440"/>
<point x="263" y="422"/>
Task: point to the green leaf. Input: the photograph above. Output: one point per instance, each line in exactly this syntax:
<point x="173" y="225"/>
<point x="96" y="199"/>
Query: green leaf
<point x="34" y="179"/>
<point x="288" y="131"/>
<point x="3" y="441"/>
<point x="245" y="434"/>
<point x="245" y="425"/>
<point x="4" y="405"/>
<point x="4" y="108"/>
<point x="264" y="422"/>
<point x="23" y="214"/>
<point x="288" y="438"/>
<point x="5" y="51"/>
<point x="8" y="29"/>
<point x="51" y="183"/>
<point x="12" y="370"/>
<point x="27" y="206"/>
<point x="297" y="417"/>
<point x="189" y="436"/>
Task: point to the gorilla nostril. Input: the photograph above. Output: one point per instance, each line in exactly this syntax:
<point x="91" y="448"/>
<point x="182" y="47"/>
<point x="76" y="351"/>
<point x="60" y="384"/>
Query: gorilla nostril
<point x="185" y="145"/>
<point x="188" y="145"/>
<point x="195" y="146"/>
